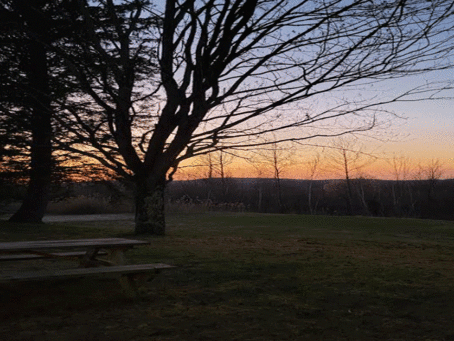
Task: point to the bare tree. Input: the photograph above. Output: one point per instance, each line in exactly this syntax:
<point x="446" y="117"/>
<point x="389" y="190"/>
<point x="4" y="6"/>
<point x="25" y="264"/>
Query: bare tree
<point x="274" y="160"/>
<point x="431" y="172"/>
<point x="349" y="157"/>
<point x="279" y="159"/>
<point x="231" y="71"/>
<point x="216" y="163"/>
<point x="313" y="166"/>
<point x="208" y="161"/>
<point x="259" y="172"/>
<point x="401" y="169"/>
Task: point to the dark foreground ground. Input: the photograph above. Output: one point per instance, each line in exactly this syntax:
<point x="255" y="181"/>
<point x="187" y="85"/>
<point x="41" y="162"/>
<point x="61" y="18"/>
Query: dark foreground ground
<point x="249" y="277"/>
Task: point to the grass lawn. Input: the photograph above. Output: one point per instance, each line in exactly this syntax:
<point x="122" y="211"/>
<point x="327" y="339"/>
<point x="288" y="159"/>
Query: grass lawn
<point x="250" y="277"/>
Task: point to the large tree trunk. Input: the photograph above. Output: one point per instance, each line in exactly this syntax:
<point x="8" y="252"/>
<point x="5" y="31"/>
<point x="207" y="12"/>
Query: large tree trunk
<point x="34" y="205"/>
<point x="150" y="215"/>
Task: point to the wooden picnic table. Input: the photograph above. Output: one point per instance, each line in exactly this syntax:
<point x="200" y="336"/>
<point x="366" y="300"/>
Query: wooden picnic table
<point x="96" y="256"/>
<point x="21" y="246"/>
<point x="87" y="250"/>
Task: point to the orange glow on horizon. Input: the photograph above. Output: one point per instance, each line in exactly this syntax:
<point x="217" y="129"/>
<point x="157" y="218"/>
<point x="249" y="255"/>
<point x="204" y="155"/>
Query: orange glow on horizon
<point x="380" y="169"/>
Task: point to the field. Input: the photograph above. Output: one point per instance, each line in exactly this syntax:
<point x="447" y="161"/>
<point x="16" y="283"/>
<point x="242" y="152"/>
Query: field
<point x="251" y="277"/>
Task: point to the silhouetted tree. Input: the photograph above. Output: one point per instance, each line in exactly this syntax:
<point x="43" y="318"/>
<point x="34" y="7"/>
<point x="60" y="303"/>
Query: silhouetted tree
<point x="401" y="187"/>
<point x="230" y="71"/>
<point x="314" y="166"/>
<point x="430" y="174"/>
<point x="347" y="157"/>
<point x="26" y="99"/>
<point x="276" y="159"/>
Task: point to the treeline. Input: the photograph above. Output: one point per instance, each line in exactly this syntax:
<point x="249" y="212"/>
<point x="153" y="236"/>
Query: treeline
<point x="387" y="198"/>
<point x="384" y="198"/>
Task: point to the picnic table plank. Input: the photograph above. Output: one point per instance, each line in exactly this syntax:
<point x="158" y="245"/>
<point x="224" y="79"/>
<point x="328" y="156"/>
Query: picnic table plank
<point x="79" y="272"/>
<point x="131" y="277"/>
<point x="71" y="243"/>
<point x="31" y="256"/>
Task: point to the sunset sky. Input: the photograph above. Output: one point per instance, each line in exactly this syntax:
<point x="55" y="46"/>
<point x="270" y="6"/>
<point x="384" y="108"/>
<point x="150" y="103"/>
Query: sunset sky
<point x="425" y="133"/>
<point x="428" y="131"/>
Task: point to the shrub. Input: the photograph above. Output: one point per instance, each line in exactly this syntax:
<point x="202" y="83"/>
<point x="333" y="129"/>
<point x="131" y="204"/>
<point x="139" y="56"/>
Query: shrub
<point x="87" y="205"/>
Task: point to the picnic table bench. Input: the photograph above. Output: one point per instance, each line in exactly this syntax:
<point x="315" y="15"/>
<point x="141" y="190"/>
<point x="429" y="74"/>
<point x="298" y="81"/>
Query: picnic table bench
<point x="104" y="256"/>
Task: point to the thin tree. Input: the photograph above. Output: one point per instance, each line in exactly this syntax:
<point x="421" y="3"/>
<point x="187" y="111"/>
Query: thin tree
<point x="401" y="169"/>
<point x="431" y="172"/>
<point x="313" y="166"/>
<point x="277" y="159"/>
<point x="216" y="163"/>
<point x="232" y="71"/>
<point x="349" y="158"/>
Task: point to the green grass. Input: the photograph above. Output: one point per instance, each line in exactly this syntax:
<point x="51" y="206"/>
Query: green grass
<point x="252" y="277"/>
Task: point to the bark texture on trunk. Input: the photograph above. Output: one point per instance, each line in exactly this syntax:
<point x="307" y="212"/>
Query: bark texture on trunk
<point x="150" y="215"/>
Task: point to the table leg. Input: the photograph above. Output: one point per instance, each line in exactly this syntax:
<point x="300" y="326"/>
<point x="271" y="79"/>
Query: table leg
<point x="116" y="256"/>
<point x="131" y="283"/>
<point x="89" y="259"/>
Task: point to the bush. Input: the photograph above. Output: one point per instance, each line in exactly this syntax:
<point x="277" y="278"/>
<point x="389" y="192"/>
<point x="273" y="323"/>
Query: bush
<point x="88" y="205"/>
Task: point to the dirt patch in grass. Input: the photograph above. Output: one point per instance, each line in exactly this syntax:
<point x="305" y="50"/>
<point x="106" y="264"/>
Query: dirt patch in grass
<point x="307" y="279"/>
